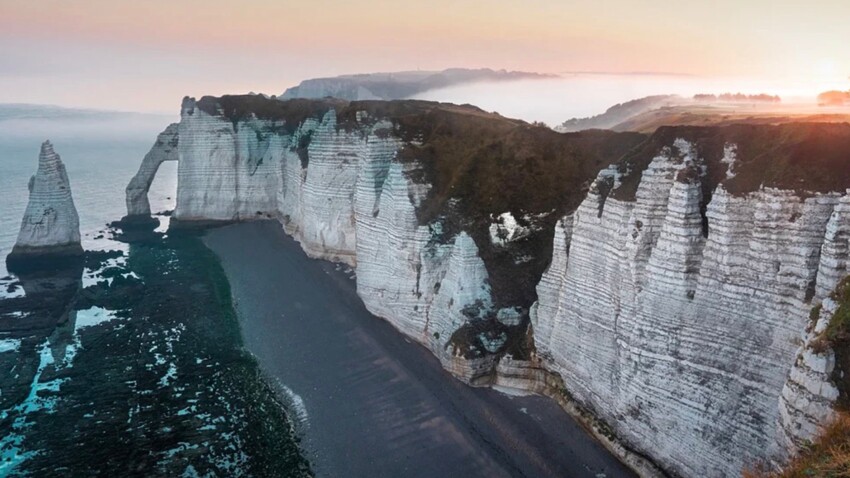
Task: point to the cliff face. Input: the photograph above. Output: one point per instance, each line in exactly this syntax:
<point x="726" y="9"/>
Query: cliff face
<point x="670" y="296"/>
<point x="50" y="225"/>
<point x="356" y="183"/>
<point x="675" y="312"/>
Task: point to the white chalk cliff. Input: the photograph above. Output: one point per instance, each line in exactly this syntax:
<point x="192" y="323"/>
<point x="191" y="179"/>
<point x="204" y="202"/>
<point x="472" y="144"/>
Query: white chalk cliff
<point x="682" y="343"/>
<point x="50" y="225"/>
<point x="676" y="314"/>
<point x="165" y="149"/>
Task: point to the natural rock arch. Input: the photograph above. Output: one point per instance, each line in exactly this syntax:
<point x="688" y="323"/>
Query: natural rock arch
<point x="165" y="149"/>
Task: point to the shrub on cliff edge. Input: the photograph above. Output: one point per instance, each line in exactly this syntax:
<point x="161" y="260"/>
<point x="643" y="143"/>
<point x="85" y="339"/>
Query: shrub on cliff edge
<point x="827" y="457"/>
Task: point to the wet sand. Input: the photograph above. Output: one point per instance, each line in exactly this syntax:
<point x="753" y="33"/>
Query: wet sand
<point x="374" y="403"/>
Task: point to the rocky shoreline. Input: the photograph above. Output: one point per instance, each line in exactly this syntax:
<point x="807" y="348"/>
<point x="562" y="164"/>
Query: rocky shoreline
<point x="133" y="364"/>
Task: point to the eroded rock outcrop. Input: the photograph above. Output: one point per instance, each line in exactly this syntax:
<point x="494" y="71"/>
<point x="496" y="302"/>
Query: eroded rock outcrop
<point x="667" y="297"/>
<point x="164" y="149"/>
<point x="50" y="226"/>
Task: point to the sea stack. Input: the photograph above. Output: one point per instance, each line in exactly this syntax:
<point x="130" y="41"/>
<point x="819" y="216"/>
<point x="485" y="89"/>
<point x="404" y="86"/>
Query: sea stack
<point x="50" y="228"/>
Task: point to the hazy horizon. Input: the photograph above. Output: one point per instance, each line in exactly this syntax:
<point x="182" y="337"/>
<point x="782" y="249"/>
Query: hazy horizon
<point x="550" y="100"/>
<point x="146" y="56"/>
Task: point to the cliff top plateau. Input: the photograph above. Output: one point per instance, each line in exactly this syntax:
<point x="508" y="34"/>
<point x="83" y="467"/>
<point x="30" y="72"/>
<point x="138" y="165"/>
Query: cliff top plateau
<point x="647" y="114"/>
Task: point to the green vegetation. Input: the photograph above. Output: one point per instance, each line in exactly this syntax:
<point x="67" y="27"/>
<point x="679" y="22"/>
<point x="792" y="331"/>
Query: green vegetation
<point x="827" y="457"/>
<point x="837" y="337"/>
<point x="814" y="314"/>
<point x="805" y="157"/>
<point x="738" y="97"/>
<point x="721" y="115"/>
<point x="290" y="113"/>
<point x="838" y="331"/>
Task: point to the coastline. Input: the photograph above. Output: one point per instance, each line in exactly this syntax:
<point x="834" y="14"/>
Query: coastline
<point x="132" y="364"/>
<point x="371" y="401"/>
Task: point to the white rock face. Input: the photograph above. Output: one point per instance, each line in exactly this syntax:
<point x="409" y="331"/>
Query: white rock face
<point x="50" y="224"/>
<point x="835" y="253"/>
<point x="226" y="171"/>
<point x="505" y="229"/>
<point x="164" y="149"/>
<point x="683" y="343"/>
<point x="808" y="396"/>
<point x="675" y="317"/>
<point x="352" y="202"/>
<point x="325" y="221"/>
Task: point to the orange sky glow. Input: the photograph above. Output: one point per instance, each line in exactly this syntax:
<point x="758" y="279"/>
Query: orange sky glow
<point x="146" y="55"/>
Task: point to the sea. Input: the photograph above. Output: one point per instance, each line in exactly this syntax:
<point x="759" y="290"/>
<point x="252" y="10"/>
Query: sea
<point x="101" y="152"/>
<point x="129" y="362"/>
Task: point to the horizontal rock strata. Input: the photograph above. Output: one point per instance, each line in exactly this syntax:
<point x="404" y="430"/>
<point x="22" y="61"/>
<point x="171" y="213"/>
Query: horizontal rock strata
<point x="675" y="313"/>
<point x="667" y="297"/>
<point x="50" y="226"/>
<point x="164" y="149"/>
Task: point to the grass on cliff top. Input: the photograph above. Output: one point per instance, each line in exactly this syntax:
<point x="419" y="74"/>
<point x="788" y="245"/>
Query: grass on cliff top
<point x="827" y="457"/>
<point x="805" y="157"/>
<point x="494" y="164"/>
<point x="292" y="112"/>
<point x="482" y="165"/>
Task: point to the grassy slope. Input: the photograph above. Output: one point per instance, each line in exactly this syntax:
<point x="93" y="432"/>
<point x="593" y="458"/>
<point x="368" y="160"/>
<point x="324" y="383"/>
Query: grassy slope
<point x="806" y="157"/>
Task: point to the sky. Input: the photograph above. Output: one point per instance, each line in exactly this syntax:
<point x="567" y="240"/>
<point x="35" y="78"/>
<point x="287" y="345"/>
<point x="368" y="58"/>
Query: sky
<point x="146" y="55"/>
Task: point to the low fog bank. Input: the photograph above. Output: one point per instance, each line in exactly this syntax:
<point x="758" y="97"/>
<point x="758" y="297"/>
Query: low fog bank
<point x="554" y="101"/>
<point x="27" y="123"/>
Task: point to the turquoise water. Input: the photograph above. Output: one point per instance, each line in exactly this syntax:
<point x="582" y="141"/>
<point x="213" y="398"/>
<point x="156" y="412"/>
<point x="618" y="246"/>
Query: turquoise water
<point x="130" y="363"/>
